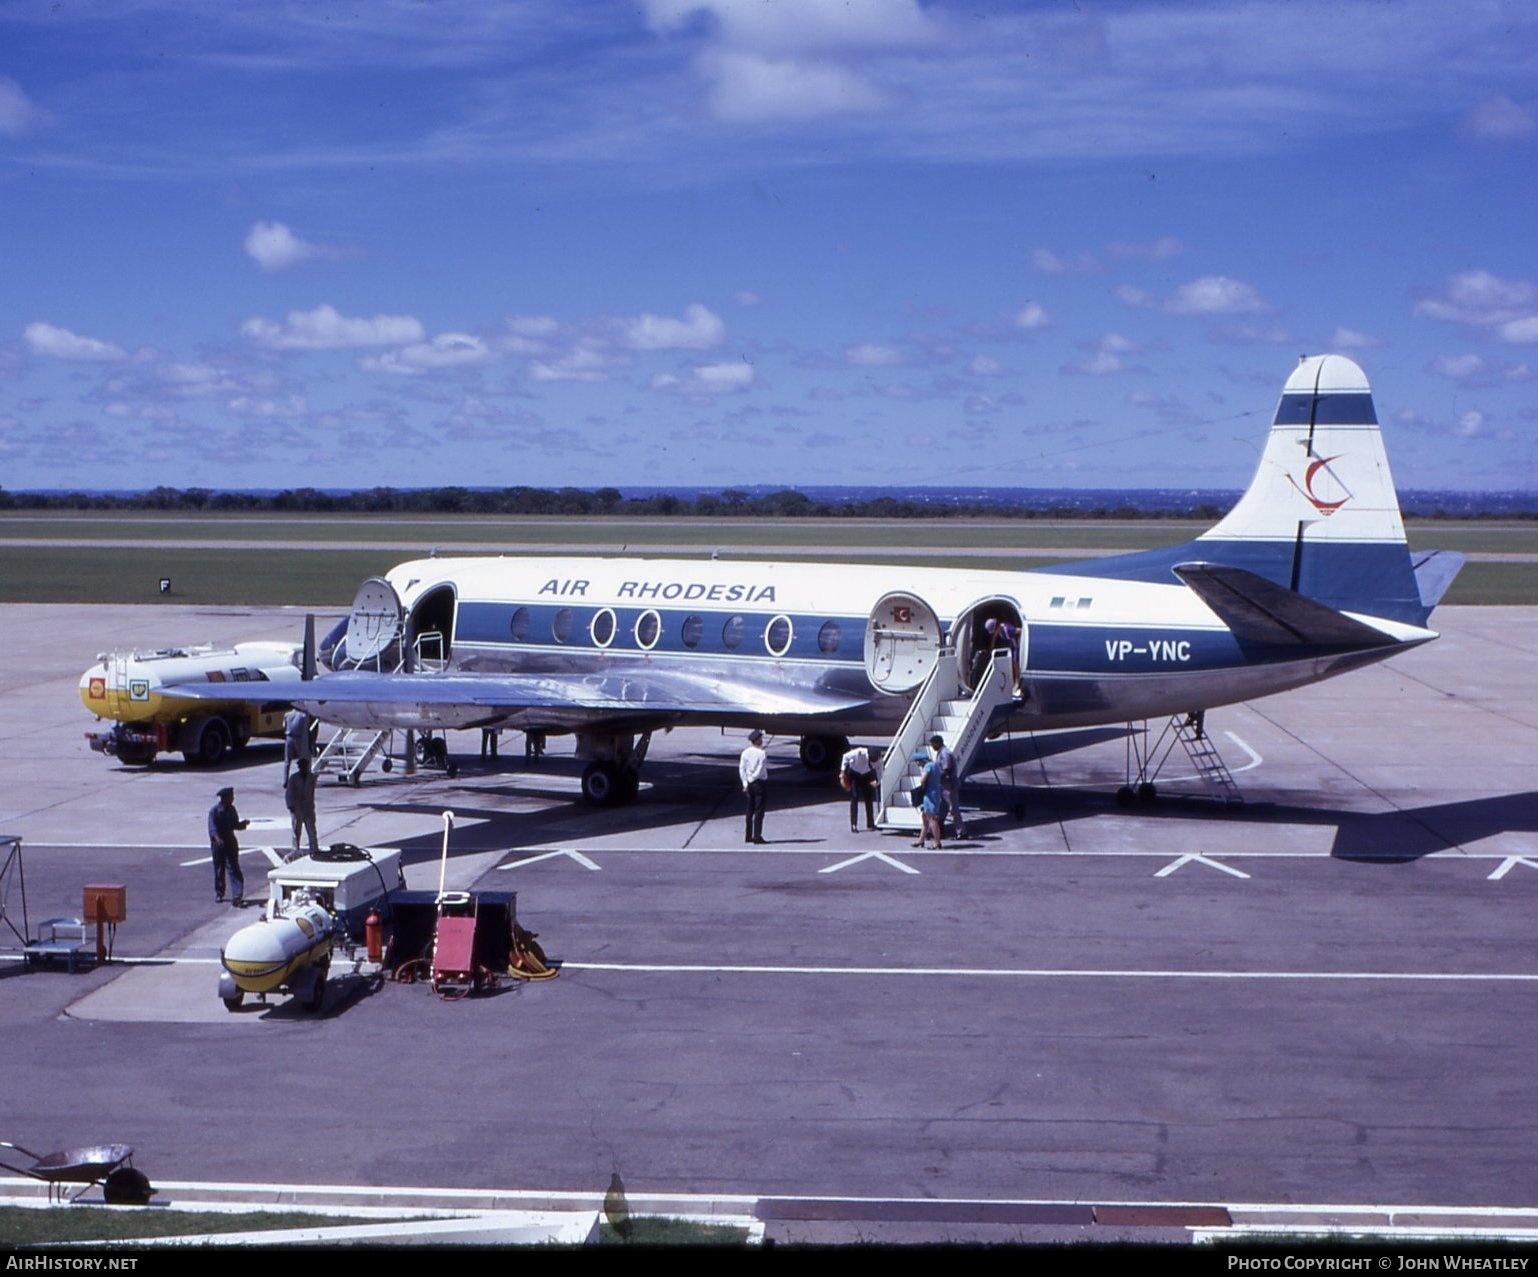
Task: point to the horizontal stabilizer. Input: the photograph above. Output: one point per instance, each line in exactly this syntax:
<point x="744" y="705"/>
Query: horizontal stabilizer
<point x="1260" y="611"/>
<point x="1434" y="572"/>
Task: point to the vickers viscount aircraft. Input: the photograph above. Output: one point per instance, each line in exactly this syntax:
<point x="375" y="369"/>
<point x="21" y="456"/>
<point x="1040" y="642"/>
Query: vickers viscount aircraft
<point x="1307" y="577"/>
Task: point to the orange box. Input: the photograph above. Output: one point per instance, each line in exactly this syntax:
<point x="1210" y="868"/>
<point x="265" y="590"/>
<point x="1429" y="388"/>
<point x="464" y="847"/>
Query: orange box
<point x="112" y="898"/>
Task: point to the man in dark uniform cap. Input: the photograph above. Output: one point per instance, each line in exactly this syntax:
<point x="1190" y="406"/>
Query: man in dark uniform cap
<point x="223" y="821"/>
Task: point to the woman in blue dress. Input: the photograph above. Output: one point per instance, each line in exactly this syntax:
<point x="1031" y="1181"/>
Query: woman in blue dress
<point x="931" y="805"/>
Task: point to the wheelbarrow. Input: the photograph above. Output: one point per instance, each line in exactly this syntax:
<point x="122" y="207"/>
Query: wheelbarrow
<point x="110" y="1165"/>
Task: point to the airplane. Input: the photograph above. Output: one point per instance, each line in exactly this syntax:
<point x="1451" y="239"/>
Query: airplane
<point x="1307" y="577"/>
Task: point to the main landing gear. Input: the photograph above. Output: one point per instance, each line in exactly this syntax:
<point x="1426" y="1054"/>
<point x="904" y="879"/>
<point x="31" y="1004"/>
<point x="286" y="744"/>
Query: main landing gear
<point x="612" y="777"/>
<point x="823" y="753"/>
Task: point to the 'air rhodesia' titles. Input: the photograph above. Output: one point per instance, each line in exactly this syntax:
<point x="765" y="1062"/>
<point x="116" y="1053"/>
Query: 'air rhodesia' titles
<point x="669" y="591"/>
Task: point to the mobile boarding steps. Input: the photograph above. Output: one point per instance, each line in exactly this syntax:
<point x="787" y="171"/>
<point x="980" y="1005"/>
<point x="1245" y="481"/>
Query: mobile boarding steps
<point x="942" y="707"/>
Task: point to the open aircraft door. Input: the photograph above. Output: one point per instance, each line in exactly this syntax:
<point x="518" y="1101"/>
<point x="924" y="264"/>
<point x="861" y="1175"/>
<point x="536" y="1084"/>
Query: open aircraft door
<point x="902" y="642"/>
<point x="374" y="628"/>
<point x="975" y="642"/>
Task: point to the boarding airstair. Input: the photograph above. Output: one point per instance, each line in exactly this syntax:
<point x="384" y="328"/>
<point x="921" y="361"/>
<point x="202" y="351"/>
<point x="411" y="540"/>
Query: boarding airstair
<point x="943" y="707"/>
<point x="350" y="751"/>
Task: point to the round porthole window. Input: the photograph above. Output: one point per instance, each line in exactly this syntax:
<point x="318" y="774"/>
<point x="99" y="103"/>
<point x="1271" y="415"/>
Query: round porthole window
<point x="778" y="635"/>
<point x="560" y="625"/>
<point x="829" y="637"/>
<point x="518" y="626"/>
<point x="648" y="629"/>
<point x="602" y="627"/>
<point x="731" y="633"/>
<point x="692" y="631"/>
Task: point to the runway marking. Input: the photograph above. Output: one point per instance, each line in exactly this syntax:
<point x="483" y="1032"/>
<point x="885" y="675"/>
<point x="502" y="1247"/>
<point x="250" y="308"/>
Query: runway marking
<point x="1201" y="860"/>
<point x="546" y="855"/>
<point x="868" y="855"/>
<point x="1510" y="863"/>
<point x="1058" y="973"/>
<point x="244" y="851"/>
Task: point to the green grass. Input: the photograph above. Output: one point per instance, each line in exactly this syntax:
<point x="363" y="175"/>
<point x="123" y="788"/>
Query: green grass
<point x="26" y="1226"/>
<point x="22" y="1226"/>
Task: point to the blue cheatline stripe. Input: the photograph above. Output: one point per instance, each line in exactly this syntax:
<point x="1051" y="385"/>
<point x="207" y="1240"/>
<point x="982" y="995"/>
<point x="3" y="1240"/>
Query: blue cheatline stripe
<point x="1354" y="409"/>
<point x="492" y="623"/>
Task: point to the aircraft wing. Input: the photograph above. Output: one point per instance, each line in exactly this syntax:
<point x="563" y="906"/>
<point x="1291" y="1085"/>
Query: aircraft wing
<point x="568" y="700"/>
<point x="1260" y="611"/>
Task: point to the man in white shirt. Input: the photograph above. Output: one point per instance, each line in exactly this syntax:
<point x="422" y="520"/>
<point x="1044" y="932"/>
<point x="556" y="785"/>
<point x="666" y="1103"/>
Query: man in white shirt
<point x="753" y="770"/>
<point x="860" y="780"/>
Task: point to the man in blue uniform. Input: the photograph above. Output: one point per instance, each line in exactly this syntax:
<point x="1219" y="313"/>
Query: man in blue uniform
<point x="223" y="821"/>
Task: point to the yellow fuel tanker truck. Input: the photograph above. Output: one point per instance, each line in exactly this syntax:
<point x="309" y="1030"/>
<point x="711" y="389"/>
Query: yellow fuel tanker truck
<point x="120" y="689"/>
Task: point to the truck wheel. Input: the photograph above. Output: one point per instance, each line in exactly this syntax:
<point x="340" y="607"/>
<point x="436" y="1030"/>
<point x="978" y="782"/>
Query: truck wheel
<point x="211" y="745"/>
<point x="135" y="755"/>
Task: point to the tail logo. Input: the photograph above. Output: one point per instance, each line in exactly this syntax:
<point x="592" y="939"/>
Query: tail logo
<point x="1311" y="476"/>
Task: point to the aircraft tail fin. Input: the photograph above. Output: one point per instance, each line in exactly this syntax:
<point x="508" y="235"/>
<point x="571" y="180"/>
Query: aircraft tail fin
<point x="1321" y="516"/>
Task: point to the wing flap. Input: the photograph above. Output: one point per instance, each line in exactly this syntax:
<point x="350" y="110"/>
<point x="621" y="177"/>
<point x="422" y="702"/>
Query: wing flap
<point x="1260" y="611"/>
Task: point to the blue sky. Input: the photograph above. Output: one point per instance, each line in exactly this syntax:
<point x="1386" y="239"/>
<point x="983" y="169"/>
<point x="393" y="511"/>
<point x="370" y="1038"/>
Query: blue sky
<point x="729" y="242"/>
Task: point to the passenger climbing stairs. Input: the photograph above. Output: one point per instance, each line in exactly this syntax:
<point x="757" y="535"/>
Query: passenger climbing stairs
<point x="946" y="708"/>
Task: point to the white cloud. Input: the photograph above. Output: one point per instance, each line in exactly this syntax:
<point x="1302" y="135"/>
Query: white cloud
<point x="794" y="59"/>
<point x="873" y="356"/>
<point x="983" y="366"/>
<point x="1031" y="315"/>
<point x="1351" y="339"/>
<point x="706" y="380"/>
<point x="252" y="408"/>
<point x="1161" y="249"/>
<point x="17" y="114"/>
<point x="1135" y="298"/>
<point x="1479" y="299"/>
<point x="699" y="329"/>
<point x="1215" y="295"/>
<point x="579" y="364"/>
<point x="1470" y="424"/>
<point x="1050" y="263"/>
<point x="751" y="89"/>
<point x="1499" y="119"/>
<point x="60" y="343"/>
<point x="448" y="350"/>
<point x="324" y="329"/>
<point x="273" y="247"/>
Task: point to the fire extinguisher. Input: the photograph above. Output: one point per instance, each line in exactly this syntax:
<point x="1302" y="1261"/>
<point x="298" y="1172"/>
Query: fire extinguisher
<point x="373" y="935"/>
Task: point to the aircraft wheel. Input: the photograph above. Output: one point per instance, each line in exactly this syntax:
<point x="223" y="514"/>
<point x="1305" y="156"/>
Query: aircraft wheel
<point x="451" y="770"/>
<point x="1125" y="796"/>
<point x="602" y="785"/>
<point x="1147" y="792"/>
<point x="387" y="765"/>
<point x="233" y="1003"/>
<point x="822" y="753"/>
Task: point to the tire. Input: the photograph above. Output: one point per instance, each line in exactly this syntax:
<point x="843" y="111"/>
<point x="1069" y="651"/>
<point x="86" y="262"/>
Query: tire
<point x="822" y="753"/>
<point x="233" y="1003"/>
<point x="212" y="744"/>
<point x="602" y="785"/>
<point x="135" y="755"/>
<point x="317" y="996"/>
<point x="1147" y="792"/>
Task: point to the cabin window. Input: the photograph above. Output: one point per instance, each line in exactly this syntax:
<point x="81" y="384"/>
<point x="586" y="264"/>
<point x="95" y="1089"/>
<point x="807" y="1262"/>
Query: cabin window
<point x="648" y="628"/>
<point x="518" y="626"/>
<point x="731" y="633"/>
<point x="560" y="626"/>
<point x="602" y="627"/>
<point x="778" y="635"/>
<point x="692" y="631"/>
<point x="829" y="637"/>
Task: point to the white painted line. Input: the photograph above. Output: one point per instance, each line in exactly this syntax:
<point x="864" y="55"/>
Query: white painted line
<point x="244" y="851"/>
<point x="547" y="855"/>
<point x="868" y="855"/>
<point x="1255" y="759"/>
<point x="1202" y="860"/>
<point x="1510" y="863"/>
<point x="1056" y="973"/>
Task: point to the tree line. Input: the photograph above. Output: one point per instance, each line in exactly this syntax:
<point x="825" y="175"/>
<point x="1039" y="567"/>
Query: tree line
<point x="730" y="502"/>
